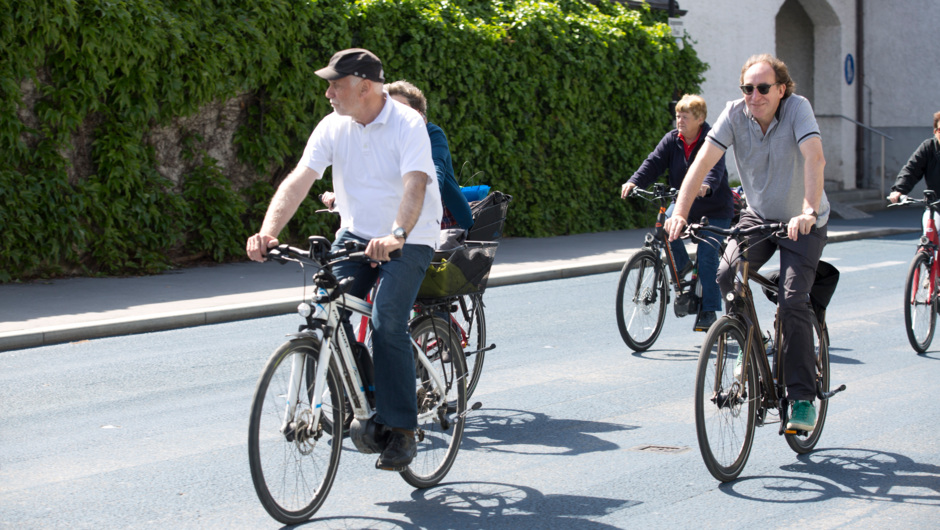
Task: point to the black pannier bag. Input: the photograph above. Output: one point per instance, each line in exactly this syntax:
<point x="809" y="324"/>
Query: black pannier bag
<point x="489" y="216"/>
<point x="459" y="271"/>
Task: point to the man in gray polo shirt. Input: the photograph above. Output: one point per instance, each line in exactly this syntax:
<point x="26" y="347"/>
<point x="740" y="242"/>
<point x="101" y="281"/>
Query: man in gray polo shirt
<point x="779" y="156"/>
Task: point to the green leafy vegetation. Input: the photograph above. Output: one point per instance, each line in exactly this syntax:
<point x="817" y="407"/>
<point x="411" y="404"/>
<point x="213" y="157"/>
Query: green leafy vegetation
<point x="142" y="134"/>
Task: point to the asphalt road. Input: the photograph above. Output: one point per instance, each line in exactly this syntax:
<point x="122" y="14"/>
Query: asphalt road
<point x="575" y="430"/>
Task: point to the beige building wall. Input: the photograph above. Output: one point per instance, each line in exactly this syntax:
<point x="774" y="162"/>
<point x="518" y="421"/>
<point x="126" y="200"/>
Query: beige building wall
<point x="813" y="37"/>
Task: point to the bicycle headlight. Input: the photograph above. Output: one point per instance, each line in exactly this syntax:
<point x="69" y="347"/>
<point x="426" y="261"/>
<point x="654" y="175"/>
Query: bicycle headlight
<point x="304" y="309"/>
<point x="924" y="241"/>
<point x="729" y="297"/>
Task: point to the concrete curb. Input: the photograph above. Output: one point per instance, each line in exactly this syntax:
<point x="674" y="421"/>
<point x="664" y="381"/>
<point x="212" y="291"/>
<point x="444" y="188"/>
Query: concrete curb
<point x="46" y="336"/>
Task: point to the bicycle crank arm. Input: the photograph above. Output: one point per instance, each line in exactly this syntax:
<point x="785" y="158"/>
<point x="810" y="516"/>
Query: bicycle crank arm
<point x="475" y="406"/>
<point x="827" y="395"/>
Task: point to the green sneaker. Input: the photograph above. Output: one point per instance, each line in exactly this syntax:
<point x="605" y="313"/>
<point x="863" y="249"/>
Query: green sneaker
<point x="802" y="416"/>
<point x="739" y="364"/>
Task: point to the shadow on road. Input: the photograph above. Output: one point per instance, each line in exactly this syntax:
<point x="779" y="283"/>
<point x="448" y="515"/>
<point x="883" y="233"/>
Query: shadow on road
<point x="846" y="473"/>
<point x="535" y="433"/>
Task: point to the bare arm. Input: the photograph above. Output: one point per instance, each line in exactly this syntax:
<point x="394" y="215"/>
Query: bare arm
<point x="813" y="164"/>
<point x="408" y="213"/>
<point x="691" y="186"/>
<point x="284" y="204"/>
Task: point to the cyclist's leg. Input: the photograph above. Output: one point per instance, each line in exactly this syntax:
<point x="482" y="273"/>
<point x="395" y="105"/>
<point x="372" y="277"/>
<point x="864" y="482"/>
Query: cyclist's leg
<point x="758" y="253"/>
<point x="708" y="267"/>
<point x="798" y="261"/>
<point x="364" y="274"/>
<point x="399" y="280"/>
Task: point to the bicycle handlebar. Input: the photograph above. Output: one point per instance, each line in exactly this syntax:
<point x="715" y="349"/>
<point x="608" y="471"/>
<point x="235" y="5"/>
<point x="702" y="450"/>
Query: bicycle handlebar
<point x="906" y="200"/>
<point x="660" y="191"/>
<point x="353" y="251"/>
<point x="778" y="229"/>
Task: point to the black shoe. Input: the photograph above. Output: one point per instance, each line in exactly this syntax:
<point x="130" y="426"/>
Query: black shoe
<point x="704" y="320"/>
<point x="400" y="450"/>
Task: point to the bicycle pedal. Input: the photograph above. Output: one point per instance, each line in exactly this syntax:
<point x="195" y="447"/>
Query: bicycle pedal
<point x="389" y="468"/>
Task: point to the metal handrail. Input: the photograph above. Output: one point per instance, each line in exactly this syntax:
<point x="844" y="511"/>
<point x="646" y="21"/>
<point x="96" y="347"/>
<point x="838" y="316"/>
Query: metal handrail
<point x="870" y="129"/>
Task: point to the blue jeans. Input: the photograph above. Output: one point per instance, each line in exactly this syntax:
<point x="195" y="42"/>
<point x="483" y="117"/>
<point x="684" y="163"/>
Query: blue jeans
<point x="708" y="255"/>
<point x="399" y="279"/>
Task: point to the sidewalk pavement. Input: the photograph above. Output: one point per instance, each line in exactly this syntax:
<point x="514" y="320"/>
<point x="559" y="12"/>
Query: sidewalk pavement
<point x="57" y="311"/>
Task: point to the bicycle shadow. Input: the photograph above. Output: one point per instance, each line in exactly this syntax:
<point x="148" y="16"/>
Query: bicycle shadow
<point x="861" y="474"/>
<point x="688" y="355"/>
<point x="932" y="355"/>
<point x="841" y="359"/>
<point x="534" y="433"/>
<point x="498" y="505"/>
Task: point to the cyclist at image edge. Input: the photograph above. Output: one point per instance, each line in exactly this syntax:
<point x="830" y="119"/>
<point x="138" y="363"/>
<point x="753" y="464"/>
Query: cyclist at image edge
<point x="675" y="152"/>
<point x="382" y="169"/>
<point x="923" y="164"/>
<point x="779" y="155"/>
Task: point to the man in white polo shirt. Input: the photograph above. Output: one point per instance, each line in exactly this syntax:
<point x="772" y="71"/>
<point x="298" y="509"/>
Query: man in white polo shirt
<point x="382" y="177"/>
<point x="779" y="156"/>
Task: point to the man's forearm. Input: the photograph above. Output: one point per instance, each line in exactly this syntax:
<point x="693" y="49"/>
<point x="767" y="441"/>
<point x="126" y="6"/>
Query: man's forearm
<point x="292" y="191"/>
<point x="413" y="200"/>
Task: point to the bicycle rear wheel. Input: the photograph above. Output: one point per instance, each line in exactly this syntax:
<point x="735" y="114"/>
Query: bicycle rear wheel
<point x="440" y="428"/>
<point x="641" y="300"/>
<point x="293" y="469"/>
<point x="920" y="315"/>
<point x="805" y="443"/>
<point x="470" y="322"/>
<point x="725" y="403"/>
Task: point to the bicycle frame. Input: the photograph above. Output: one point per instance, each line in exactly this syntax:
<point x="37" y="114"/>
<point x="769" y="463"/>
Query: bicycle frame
<point x="930" y="243"/>
<point x="326" y="324"/>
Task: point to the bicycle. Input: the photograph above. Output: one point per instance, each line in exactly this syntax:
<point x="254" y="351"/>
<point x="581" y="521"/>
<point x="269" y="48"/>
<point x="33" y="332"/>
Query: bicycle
<point x="642" y="293"/>
<point x="920" y="288"/>
<point x="293" y="447"/>
<point x="732" y="399"/>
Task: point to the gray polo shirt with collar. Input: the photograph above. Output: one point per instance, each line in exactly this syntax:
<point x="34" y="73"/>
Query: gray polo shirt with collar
<point x="770" y="165"/>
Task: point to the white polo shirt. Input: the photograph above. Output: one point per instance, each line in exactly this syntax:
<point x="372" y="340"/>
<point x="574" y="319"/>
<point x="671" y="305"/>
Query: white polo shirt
<point x="369" y="163"/>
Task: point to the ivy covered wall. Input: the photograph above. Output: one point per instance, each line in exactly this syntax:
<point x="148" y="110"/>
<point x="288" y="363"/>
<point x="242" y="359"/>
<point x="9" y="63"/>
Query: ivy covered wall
<point x="144" y="134"/>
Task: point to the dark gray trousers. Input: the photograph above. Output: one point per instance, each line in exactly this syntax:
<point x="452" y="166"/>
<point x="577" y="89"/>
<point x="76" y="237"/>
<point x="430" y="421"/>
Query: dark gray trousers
<point x="798" y="260"/>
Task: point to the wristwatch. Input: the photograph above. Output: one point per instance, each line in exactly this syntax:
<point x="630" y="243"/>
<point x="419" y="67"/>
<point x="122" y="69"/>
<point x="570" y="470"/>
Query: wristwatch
<point x="400" y="233"/>
<point x="810" y="211"/>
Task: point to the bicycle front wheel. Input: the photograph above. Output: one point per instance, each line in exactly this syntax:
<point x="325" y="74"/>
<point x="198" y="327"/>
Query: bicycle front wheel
<point x="440" y="422"/>
<point x="470" y="323"/>
<point x="293" y="463"/>
<point x="726" y="400"/>
<point x="805" y="443"/>
<point x="920" y="317"/>
<point x="641" y="300"/>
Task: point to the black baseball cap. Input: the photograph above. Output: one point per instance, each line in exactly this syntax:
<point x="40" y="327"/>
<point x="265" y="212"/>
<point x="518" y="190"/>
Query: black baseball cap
<point x="354" y="61"/>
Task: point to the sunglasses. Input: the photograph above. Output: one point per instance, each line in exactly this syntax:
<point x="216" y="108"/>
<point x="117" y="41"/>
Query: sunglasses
<point x="763" y="88"/>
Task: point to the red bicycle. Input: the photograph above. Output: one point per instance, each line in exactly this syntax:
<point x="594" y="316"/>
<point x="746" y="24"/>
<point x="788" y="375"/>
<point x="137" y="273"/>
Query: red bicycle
<point x="920" y="291"/>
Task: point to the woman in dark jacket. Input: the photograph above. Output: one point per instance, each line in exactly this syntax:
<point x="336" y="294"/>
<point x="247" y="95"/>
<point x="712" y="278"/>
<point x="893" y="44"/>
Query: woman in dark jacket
<point x="674" y="155"/>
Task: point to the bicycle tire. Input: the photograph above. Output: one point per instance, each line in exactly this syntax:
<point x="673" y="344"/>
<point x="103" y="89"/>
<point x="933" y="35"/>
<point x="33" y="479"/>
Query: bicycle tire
<point x="641" y="300"/>
<point x="806" y="443"/>
<point x="472" y="328"/>
<point x="438" y="434"/>
<point x="725" y="405"/>
<point x="920" y="315"/>
<point x="292" y="475"/>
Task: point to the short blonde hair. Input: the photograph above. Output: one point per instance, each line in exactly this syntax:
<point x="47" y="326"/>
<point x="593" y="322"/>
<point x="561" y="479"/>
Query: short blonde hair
<point x="693" y="103"/>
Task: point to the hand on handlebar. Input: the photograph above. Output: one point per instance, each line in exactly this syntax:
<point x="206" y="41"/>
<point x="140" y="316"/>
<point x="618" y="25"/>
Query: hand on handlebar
<point x="382" y="248"/>
<point x="328" y="198"/>
<point x="626" y="189"/>
<point x="674" y="227"/>
<point x="895" y="196"/>
<point x="258" y="245"/>
<point x="801" y="224"/>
